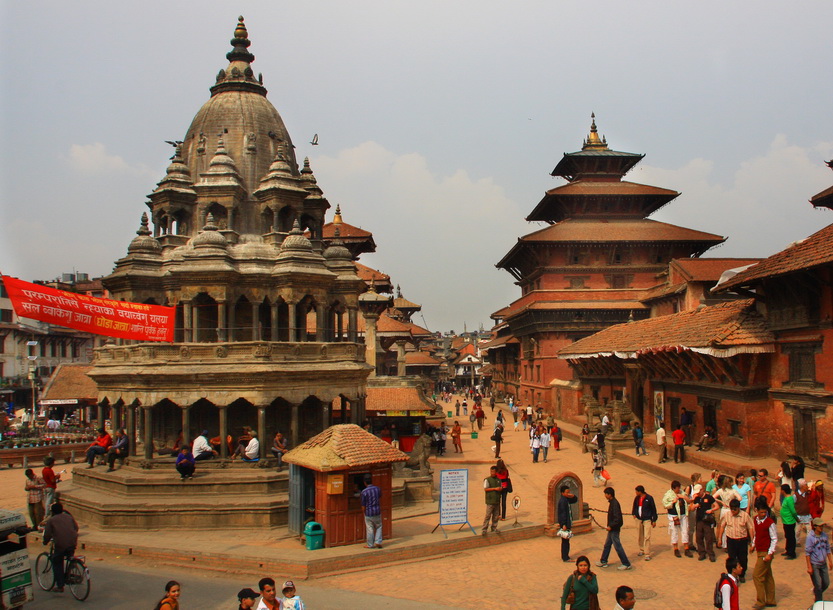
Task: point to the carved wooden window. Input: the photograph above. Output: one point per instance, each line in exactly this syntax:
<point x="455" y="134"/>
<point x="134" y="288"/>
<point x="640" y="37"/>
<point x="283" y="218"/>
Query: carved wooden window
<point x="576" y="282"/>
<point x="6" y="315"/>
<point x="734" y="427"/>
<point x="802" y="363"/>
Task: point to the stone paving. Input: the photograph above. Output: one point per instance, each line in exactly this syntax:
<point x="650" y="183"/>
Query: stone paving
<point x="528" y="572"/>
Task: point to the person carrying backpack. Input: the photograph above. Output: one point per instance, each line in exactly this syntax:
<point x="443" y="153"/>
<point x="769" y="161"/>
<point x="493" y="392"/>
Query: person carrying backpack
<point x="726" y="595"/>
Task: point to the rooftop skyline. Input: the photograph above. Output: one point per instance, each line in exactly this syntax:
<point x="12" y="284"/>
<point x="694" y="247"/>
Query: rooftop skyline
<point x="438" y="125"/>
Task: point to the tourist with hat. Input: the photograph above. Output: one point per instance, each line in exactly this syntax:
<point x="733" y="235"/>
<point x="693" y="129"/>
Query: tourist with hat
<point x="290" y="600"/>
<point x="819" y="557"/>
<point x="246" y="599"/>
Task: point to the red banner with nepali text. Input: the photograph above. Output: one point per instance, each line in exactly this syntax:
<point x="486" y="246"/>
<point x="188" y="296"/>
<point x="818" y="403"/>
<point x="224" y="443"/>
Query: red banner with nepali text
<point x="120" y="319"/>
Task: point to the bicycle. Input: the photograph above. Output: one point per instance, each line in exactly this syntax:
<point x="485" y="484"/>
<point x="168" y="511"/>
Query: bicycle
<point x="76" y="574"/>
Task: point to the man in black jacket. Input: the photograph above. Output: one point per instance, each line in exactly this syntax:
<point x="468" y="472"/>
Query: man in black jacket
<point x="645" y="512"/>
<point x="565" y="520"/>
<point x="614" y="525"/>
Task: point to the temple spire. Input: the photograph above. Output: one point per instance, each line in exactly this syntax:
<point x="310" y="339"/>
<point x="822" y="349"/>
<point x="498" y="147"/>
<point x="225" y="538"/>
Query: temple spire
<point x="240" y="44"/>
<point x="593" y="142"/>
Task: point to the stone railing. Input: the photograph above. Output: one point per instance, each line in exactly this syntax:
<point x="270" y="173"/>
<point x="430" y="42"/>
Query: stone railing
<point x="246" y="351"/>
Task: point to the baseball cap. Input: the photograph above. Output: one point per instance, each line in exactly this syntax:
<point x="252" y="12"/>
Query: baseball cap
<point x="697" y="489"/>
<point x="247" y="594"/>
<point x="818" y="521"/>
<point x="288" y="585"/>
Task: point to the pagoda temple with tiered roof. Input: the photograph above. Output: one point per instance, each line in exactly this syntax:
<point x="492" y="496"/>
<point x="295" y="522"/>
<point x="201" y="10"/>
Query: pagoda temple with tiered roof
<point x="592" y="267"/>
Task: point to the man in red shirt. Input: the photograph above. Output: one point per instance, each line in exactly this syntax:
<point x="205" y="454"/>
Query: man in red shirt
<point x="679" y="444"/>
<point x="764" y="488"/>
<point x="99" y="447"/>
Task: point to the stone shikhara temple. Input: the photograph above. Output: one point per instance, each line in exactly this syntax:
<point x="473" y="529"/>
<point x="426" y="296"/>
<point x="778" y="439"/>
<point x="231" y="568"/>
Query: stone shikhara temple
<point x="267" y="312"/>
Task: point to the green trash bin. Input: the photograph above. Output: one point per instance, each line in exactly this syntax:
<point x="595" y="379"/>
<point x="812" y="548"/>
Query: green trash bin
<point x="314" y="534"/>
<point x="450" y="414"/>
<point x="474" y="434"/>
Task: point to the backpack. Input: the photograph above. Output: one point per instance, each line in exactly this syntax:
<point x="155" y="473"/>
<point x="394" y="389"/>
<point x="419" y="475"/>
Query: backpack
<point x="718" y="594"/>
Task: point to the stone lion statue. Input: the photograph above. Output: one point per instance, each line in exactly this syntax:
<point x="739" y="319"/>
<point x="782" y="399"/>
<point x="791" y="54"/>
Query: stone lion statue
<point x="417" y="464"/>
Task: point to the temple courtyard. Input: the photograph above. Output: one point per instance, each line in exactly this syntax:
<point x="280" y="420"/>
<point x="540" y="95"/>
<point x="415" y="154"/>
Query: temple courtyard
<point x="420" y="567"/>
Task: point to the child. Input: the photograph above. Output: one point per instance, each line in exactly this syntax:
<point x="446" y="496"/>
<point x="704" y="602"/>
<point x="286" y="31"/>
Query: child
<point x="247" y="599"/>
<point x="290" y="601"/>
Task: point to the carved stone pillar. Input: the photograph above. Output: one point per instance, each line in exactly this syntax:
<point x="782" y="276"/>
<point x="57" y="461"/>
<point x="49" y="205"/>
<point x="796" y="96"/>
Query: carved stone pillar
<point x="115" y="417"/>
<point x="222" y="333"/>
<point x="370" y="341"/>
<point x="294" y="427"/>
<point x="186" y="424"/>
<point x="320" y="323"/>
<point x="223" y="431"/>
<point x="131" y="428"/>
<point x="352" y="324"/>
<point x="187" y="311"/>
<point x="195" y="333"/>
<point x="261" y="430"/>
<point x="326" y="415"/>
<point x="293" y="330"/>
<point x="339" y="334"/>
<point x="255" y="322"/>
<point x="100" y="415"/>
<point x="148" y="433"/>
<point x="357" y="411"/>
<point x="232" y="333"/>
<point x="274" y="312"/>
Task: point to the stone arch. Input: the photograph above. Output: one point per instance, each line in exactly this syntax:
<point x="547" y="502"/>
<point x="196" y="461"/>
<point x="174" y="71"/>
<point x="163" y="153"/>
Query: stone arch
<point x="179" y="323"/>
<point x="278" y="419"/>
<point x="306" y="318"/>
<point x="310" y="418"/>
<point x="281" y="333"/>
<point x="286" y="218"/>
<point x="205" y="318"/>
<point x="166" y="423"/>
<point x="335" y="321"/>
<point x="219" y="212"/>
<point x="267" y="220"/>
<point x="241" y="413"/>
<point x="265" y="320"/>
<point x="311" y="224"/>
<point x="203" y="415"/>
<point x="243" y="321"/>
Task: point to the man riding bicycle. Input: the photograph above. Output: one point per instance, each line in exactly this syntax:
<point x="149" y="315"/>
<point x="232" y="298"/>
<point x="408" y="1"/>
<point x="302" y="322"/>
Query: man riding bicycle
<point x="63" y="530"/>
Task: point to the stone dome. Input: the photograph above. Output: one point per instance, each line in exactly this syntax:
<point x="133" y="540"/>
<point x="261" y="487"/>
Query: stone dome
<point x="210" y="236"/>
<point x="252" y="129"/>
<point x="144" y="242"/>
<point x="296" y="241"/>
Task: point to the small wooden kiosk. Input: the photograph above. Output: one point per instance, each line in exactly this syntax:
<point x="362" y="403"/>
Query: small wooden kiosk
<point x="327" y="473"/>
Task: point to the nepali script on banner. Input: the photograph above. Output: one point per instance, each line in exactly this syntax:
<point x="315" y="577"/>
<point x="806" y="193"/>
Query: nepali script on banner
<point x="119" y="319"/>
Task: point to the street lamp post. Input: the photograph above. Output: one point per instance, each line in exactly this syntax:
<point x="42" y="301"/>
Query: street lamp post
<point x="33" y="369"/>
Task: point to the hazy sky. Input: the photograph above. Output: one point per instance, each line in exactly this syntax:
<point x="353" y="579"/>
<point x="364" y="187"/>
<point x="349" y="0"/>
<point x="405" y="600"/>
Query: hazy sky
<point x="439" y="122"/>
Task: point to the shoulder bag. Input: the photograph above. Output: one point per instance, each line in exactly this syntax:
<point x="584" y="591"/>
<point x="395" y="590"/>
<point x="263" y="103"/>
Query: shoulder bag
<point x="571" y="596"/>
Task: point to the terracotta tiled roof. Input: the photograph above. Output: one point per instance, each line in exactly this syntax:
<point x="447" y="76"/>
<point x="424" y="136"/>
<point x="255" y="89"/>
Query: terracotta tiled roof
<point x="709" y="269"/>
<point x="719" y="330"/>
<point x="419" y="331"/>
<point x="593" y="187"/>
<point x="341" y="447"/>
<point x="486" y="370"/>
<point x="366" y="273"/>
<point x="403" y="303"/>
<point x="561" y="305"/>
<point x="346" y="231"/>
<point x="389" y="326"/>
<point x="405" y="398"/>
<point x="500" y="313"/>
<point x="466" y="358"/>
<point x="500" y="341"/>
<point x="70" y="381"/>
<point x="805" y="254"/>
<point x="421" y="359"/>
<point x="605" y="231"/>
<point x="823" y="199"/>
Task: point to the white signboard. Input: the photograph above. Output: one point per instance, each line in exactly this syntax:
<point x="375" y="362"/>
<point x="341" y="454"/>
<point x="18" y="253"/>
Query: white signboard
<point x="454" y="496"/>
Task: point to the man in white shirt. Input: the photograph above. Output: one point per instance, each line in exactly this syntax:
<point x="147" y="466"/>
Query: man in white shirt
<point x="663" y="452"/>
<point x="729" y="588"/>
<point x="252" y="451"/>
<point x="202" y="450"/>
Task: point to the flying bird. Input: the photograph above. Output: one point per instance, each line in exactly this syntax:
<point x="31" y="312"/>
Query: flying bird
<point x="314" y="141"/>
<point x="174" y="144"/>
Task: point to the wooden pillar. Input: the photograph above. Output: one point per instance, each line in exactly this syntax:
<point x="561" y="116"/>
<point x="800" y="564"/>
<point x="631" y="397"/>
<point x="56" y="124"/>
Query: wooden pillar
<point x="295" y="432"/>
<point x="255" y="322"/>
<point x="261" y="430"/>
<point x="187" y="311"/>
<point x="131" y="428"/>
<point x="320" y="323"/>
<point x="223" y="431"/>
<point x="148" y="434"/>
<point x="401" y="370"/>
<point x="222" y="313"/>
<point x="353" y="324"/>
<point x="186" y="424"/>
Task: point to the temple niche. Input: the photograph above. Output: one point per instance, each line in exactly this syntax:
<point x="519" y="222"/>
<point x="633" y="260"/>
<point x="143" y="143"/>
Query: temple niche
<point x="267" y="312"/>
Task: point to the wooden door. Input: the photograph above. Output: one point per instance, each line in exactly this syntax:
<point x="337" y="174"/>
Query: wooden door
<point x="804" y="432"/>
